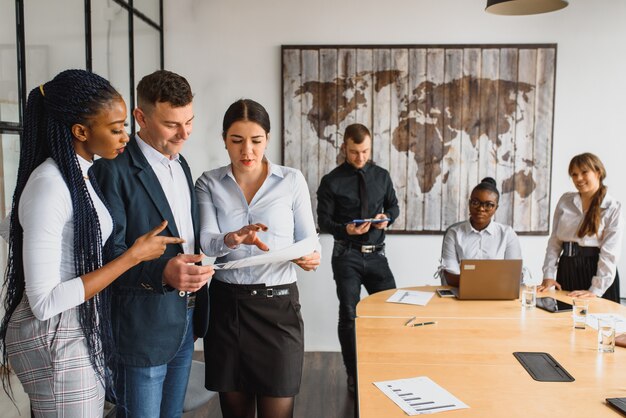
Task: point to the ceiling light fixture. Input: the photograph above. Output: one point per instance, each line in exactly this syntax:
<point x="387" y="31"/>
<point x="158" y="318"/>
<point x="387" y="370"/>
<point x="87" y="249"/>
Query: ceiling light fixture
<point x="524" y="7"/>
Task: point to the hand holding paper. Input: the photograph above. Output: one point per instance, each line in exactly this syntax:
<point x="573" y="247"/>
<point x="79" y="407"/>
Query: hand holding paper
<point x="308" y="262"/>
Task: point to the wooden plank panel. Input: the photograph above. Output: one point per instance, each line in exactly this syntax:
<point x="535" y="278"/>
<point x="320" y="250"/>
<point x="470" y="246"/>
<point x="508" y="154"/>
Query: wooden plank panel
<point x="292" y="109"/>
<point x="523" y="184"/>
<point x="452" y="117"/>
<point x="399" y="138"/>
<point x="434" y="140"/>
<point x="490" y="68"/>
<point x="505" y="154"/>
<point x="347" y="101"/>
<point x="381" y="97"/>
<point x="310" y="121"/>
<point x="542" y="152"/>
<point x="363" y="88"/>
<point x="328" y="120"/>
<point x="470" y="134"/>
<point x="416" y="143"/>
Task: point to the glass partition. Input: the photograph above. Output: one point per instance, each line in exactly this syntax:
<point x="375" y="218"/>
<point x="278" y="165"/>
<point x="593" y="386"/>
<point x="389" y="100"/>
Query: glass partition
<point x="9" y="96"/>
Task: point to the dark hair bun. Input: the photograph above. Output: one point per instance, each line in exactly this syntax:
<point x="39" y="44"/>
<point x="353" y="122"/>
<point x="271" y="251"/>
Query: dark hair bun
<point x="489" y="180"/>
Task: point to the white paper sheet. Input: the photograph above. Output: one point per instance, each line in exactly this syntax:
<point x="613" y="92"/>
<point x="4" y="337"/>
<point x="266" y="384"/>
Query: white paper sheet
<point x="419" y="395"/>
<point x="411" y="297"/>
<point x="299" y="249"/>
<point x="620" y="321"/>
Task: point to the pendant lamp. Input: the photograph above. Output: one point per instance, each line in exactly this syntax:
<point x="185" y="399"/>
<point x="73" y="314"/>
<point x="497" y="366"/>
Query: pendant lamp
<point x="523" y="7"/>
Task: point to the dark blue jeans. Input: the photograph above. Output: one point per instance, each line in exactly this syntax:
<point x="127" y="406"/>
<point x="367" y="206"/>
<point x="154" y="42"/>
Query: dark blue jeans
<point x="351" y="269"/>
<point x="157" y="391"/>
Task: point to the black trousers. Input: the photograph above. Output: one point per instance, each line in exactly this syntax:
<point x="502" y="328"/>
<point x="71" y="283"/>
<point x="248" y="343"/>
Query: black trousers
<point x="351" y="269"/>
<point x="575" y="273"/>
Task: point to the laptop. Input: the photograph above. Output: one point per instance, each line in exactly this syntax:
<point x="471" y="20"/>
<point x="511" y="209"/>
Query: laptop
<point x="489" y="280"/>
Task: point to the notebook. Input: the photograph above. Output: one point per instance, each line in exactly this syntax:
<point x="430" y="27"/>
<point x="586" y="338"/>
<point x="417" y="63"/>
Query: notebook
<point x="489" y="279"/>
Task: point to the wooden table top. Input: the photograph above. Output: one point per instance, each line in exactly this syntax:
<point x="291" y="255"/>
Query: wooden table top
<point x="469" y="353"/>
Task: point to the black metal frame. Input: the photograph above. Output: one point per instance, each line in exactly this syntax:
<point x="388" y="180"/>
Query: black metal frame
<point x="16" y="128"/>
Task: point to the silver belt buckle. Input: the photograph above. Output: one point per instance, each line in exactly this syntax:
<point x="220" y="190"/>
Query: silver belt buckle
<point x="368" y="249"/>
<point x="269" y="293"/>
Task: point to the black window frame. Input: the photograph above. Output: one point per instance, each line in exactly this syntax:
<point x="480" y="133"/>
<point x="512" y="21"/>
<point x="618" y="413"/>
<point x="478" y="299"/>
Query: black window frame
<point x="17" y="128"/>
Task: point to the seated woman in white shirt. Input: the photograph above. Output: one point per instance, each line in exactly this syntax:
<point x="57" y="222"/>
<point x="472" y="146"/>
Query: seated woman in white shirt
<point x="480" y="237"/>
<point x="254" y="346"/>
<point x="586" y="240"/>
<point x="55" y="333"/>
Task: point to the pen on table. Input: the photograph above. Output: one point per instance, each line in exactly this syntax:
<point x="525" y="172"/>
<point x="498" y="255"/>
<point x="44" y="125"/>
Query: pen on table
<point x="419" y="324"/>
<point x="406" y="324"/>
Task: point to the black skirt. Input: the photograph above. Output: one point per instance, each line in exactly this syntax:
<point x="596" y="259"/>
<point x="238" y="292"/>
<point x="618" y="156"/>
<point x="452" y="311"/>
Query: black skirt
<point x="255" y="341"/>
<point x="575" y="273"/>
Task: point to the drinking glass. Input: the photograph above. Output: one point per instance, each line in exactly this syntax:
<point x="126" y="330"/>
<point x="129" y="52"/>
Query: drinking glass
<point x="579" y="313"/>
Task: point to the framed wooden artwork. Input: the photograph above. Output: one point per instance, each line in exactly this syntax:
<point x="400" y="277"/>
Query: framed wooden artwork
<point x="442" y="118"/>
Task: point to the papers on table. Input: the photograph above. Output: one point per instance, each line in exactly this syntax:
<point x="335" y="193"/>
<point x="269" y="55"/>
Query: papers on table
<point x="299" y="249"/>
<point x="419" y="395"/>
<point x="411" y="297"/>
<point x="620" y="321"/>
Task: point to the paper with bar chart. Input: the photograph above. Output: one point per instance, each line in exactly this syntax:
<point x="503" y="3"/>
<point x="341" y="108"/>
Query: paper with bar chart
<point x="419" y="395"/>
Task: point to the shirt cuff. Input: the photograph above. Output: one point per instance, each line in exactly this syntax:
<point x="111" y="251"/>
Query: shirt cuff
<point x="596" y="286"/>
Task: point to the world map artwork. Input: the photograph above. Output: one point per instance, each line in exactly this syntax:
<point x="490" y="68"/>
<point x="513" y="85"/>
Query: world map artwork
<point x="441" y="119"/>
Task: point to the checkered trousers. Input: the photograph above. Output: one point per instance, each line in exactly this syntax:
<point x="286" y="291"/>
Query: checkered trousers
<point x="52" y="362"/>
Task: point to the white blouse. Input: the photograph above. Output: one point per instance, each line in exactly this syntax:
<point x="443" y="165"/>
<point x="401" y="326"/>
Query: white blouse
<point x="463" y="242"/>
<point x="568" y="216"/>
<point x="46" y="216"/>
<point x="282" y="203"/>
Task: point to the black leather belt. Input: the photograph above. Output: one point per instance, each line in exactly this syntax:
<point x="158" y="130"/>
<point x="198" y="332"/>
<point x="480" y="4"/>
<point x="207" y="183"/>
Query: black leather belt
<point x="269" y="293"/>
<point x="365" y="249"/>
<point x="572" y="249"/>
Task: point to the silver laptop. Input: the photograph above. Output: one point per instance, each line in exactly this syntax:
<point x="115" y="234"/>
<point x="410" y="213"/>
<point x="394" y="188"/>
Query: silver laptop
<point x="489" y="279"/>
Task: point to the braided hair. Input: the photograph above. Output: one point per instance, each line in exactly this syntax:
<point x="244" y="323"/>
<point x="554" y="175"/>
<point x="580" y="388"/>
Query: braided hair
<point x="72" y="97"/>
<point x="591" y="221"/>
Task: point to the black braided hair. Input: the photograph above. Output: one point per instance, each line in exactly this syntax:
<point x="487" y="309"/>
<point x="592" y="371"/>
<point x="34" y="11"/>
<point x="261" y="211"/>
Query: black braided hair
<point x="73" y="96"/>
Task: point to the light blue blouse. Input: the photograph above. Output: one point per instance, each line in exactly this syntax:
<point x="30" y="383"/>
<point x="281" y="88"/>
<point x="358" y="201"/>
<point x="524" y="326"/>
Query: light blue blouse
<point x="282" y="203"/>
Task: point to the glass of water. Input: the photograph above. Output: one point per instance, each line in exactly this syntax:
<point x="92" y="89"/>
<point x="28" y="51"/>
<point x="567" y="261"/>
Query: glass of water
<point x="606" y="335"/>
<point x="529" y="296"/>
<point x="579" y="313"/>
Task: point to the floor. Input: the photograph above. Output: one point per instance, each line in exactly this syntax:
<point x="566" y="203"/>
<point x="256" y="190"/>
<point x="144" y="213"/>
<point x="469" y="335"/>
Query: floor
<point x="323" y="392"/>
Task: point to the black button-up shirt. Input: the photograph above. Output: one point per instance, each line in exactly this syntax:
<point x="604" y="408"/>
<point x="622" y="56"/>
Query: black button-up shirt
<point x="338" y="201"/>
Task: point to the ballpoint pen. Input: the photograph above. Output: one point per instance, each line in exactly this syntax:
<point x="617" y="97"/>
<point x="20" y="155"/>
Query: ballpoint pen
<point x="419" y="324"/>
<point x="406" y="324"/>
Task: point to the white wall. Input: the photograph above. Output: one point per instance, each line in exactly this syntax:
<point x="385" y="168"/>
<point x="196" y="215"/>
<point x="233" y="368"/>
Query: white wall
<point x="230" y="49"/>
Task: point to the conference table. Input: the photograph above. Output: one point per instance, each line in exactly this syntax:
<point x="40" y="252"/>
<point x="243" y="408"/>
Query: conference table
<point x="469" y="352"/>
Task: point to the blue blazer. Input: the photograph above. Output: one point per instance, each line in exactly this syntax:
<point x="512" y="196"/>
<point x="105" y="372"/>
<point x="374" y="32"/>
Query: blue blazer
<point x="148" y="320"/>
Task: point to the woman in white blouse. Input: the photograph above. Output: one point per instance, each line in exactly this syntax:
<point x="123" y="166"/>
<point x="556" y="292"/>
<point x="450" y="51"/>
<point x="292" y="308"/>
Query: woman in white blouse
<point x="480" y="237"/>
<point x="254" y="347"/>
<point x="586" y="240"/>
<point x="56" y="330"/>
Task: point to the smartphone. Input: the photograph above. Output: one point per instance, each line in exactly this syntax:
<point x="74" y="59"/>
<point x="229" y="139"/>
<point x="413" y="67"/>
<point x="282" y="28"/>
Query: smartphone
<point x="445" y="293"/>
<point x="553" y="305"/>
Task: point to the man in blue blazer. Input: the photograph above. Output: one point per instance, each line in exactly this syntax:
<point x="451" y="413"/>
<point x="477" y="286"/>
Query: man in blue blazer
<point x="154" y="319"/>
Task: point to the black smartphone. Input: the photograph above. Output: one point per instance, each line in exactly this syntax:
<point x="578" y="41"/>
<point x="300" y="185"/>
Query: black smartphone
<point x="445" y="293"/>
<point x="553" y="305"/>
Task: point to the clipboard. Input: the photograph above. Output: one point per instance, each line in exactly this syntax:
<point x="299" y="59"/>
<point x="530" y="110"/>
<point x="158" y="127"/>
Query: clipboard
<point x="372" y="220"/>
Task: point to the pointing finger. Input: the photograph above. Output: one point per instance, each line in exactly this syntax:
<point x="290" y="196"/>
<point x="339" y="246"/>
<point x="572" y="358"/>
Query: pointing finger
<point x="172" y="240"/>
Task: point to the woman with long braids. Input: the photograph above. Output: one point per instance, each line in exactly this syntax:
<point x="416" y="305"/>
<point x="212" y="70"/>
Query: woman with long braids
<point x="586" y="239"/>
<point x="56" y="330"/>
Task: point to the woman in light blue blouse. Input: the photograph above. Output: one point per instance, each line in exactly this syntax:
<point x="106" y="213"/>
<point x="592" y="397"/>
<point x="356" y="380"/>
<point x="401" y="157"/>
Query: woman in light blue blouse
<point x="254" y="347"/>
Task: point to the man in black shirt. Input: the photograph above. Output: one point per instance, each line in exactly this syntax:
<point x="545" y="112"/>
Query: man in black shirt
<point x="357" y="190"/>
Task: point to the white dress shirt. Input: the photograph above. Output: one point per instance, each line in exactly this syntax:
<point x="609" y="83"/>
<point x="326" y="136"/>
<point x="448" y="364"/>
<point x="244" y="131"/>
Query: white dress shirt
<point x="174" y="184"/>
<point x="282" y="203"/>
<point x="46" y="216"/>
<point x="463" y="242"/>
<point x="568" y="216"/>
